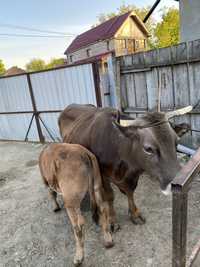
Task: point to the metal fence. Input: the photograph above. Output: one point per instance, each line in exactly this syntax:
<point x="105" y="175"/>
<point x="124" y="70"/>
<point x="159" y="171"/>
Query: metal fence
<point x="30" y="103"/>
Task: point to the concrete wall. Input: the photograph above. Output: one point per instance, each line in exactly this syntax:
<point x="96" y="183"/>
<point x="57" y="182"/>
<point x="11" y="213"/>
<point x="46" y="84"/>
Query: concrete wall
<point x="190" y="20"/>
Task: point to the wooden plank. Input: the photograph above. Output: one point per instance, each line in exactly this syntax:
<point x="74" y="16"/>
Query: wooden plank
<point x="194" y="79"/>
<point x="166" y="84"/>
<point x="131" y="70"/>
<point x="124" y="100"/>
<point x="195" y="49"/>
<point x="164" y="55"/>
<point x="179" y="228"/>
<point x="181" y="83"/>
<point x="118" y="84"/>
<point x="152" y="88"/>
<point x="128" y="60"/>
<point x="141" y="90"/>
<point x="150" y="57"/>
<point x="131" y="93"/>
<point x="179" y="52"/>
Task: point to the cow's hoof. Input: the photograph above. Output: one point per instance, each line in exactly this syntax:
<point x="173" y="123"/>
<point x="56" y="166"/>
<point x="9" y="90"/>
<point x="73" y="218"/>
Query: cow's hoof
<point x="114" y="227"/>
<point x="78" y="261"/>
<point x="139" y="219"/>
<point x="109" y="244"/>
<point x="56" y="209"/>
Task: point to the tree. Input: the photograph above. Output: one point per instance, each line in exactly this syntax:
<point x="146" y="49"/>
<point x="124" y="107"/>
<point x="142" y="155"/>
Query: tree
<point x="2" y="68"/>
<point x="55" y="62"/>
<point x="36" y="64"/>
<point x="166" y="32"/>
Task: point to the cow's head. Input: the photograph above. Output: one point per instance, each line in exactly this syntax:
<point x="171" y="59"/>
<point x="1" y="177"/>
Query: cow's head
<point x="153" y="146"/>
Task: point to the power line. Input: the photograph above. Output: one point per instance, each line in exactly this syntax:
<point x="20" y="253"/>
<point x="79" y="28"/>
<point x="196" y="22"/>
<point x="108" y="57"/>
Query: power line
<point x="33" y="29"/>
<point x="33" y="35"/>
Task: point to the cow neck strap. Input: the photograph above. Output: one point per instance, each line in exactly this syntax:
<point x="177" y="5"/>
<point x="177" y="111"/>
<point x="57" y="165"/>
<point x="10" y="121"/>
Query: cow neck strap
<point x="153" y="124"/>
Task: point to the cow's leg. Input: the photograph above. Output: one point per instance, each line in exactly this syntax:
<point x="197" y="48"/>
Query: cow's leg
<point x="77" y="221"/>
<point x="109" y="198"/>
<point x="103" y="209"/>
<point x="135" y="215"/>
<point x="53" y="196"/>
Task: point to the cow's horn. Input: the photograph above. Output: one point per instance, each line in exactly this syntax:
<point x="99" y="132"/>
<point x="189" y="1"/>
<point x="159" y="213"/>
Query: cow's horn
<point x="126" y="123"/>
<point x="178" y="112"/>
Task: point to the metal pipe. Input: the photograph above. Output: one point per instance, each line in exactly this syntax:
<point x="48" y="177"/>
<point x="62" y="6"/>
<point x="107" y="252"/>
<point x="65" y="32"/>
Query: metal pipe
<point x="151" y="11"/>
<point x="185" y="150"/>
<point x="39" y="129"/>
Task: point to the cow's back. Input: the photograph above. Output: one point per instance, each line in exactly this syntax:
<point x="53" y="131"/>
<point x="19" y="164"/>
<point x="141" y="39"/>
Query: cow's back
<point x="92" y="128"/>
<point x="69" y="116"/>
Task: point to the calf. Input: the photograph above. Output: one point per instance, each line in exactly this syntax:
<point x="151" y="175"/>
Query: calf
<point x="72" y="170"/>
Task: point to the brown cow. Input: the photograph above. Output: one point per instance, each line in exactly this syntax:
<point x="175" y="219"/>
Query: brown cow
<point x="149" y="145"/>
<point x="72" y="170"/>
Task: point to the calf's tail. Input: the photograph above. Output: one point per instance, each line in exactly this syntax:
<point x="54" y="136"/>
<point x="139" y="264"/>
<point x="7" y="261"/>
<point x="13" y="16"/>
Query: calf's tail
<point x="95" y="187"/>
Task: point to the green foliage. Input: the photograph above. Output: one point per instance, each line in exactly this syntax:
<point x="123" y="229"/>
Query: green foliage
<point x="35" y="65"/>
<point x="2" y="68"/>
<point x="55" y="62"/>
<point x="166" y="32"/>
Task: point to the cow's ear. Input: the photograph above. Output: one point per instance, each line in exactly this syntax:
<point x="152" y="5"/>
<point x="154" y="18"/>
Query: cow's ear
<point x="181" y="128"/>
<point x="128" y="131"/>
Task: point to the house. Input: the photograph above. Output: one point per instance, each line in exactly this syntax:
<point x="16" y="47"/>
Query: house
<point x="14" y="70"/>
<point x="120" y="35"/>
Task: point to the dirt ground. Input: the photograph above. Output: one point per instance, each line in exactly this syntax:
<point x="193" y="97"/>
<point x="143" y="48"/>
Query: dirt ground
<point x="31" y="234"/>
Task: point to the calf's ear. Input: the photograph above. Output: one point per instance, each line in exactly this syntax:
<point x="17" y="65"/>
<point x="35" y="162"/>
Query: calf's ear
<point x="181" y="128"/>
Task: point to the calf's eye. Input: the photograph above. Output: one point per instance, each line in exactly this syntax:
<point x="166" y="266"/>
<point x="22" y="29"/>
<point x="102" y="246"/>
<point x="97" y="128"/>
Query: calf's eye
<point x="148" y="150"/>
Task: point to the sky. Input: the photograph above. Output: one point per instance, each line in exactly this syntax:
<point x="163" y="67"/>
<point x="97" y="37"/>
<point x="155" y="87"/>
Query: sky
<point x="74" y="17"/>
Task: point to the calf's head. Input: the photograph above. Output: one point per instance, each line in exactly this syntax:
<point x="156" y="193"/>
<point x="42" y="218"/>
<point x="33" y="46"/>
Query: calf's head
<point x="153" y="147"/>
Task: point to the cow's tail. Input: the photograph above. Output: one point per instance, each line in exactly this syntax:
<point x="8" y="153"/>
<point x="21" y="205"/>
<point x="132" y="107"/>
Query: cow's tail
<point x="95" y="187"/>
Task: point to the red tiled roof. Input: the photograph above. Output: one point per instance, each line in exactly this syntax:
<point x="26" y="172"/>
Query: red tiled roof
<point x="103" y="31"/>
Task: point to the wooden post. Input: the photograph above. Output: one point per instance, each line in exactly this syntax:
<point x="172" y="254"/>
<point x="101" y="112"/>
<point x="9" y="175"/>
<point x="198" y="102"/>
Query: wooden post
<point x="179" y="227"/>
<point x="118" y="84"/>
<point x="35" y="112"/>
<point x="95" y="70"/>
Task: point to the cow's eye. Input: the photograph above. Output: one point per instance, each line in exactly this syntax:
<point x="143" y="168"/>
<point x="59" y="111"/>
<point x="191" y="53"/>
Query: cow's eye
<point x="148" y="150"/>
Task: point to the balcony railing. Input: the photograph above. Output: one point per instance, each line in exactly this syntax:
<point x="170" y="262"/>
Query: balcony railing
<point x="125" y="46"/>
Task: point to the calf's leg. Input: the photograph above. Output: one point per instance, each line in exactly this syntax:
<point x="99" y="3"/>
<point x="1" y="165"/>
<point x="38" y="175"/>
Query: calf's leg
<point x="77" y="221"/>
<point x="103" y="208"/>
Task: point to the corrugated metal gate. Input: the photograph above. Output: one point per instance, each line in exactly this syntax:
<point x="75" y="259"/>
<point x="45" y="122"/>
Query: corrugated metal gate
<point x="30" y="103"/>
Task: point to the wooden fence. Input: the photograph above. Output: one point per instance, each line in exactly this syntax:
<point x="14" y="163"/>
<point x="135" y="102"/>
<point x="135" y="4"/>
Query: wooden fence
<point x="167" y="77"/>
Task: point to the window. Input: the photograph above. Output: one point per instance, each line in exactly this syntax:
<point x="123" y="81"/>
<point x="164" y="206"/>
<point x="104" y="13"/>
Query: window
<point x="108" y="45"/>
<point x="137" y="44"/>
<point x="122" y="43"/>
<point x="145" y="44"/>
<point x="88" y="51"/>
<point x="71" y="58"/>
